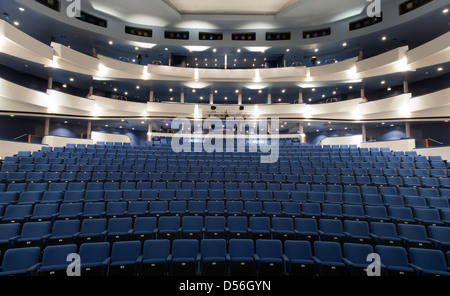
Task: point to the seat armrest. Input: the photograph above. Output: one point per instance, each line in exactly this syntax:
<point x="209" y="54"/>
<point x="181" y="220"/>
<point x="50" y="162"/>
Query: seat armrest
<point x="347" y="262"/>
<point x="316" y="260"/>
<point x="32" y="270"/>
<point x="416" y="268"/>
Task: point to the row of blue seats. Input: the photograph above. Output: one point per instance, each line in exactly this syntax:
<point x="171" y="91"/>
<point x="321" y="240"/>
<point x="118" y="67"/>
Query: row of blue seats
<point x="58" y="192"/>
<point x="38" y="185"/>
<point x="183" y="258"/>
<point x="15" y="235"/>
<point x="392" y="169"/>
<point x="331" y="180"/>
<point x="52" y="212"/>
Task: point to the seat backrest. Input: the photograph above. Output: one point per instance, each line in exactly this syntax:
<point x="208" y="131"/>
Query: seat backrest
<point x="213" y="248"/>
<point x="192" y="223"/>
<point x="125" y="251"/>
<point x="358" y="228"/>
<point x="168" y="223"/>
<point x="306" y="224"/>
<point x="330" y="226"/>
<point x="214" y="223"/>
<point x="269" y="248"/>
<point x="328" y="251"/>
<point x="282" y="223"/>
<point x="241" y="248"/>
<point x="94" y="252"/>
<point x="145" y="224"/>
<point x="20" y="259"/>
<point x="93" y="226"/>
<point x="414" y="232"/>
<point x="440" y="233"/>
<point x="357" y="253"/>
<point x="35" y="229"/>
<point x="258" y="223"/>
<point x="65" y="227"/>
<point x="119" y="224"/>
<point x="383" y="229"/>
<point x="392" y="256"/>
<point x="186" y="248"/>
<point x="156" y="249"/>
<point x="298" y="250"/>
<point x="428" y="259"/>
<point x="57" y="255"/>
<point x="9" y="230"/>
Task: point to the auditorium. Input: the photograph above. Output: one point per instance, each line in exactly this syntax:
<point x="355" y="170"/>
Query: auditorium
<point x="225" y="146"/>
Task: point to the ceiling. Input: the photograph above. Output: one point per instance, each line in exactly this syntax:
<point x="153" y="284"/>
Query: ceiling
<point x="219" y="14"/>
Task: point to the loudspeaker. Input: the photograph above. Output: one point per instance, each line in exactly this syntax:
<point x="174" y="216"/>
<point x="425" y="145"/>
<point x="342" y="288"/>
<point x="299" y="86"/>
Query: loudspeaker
<point x="241" y="108"/>
<point x="213" y="108"/>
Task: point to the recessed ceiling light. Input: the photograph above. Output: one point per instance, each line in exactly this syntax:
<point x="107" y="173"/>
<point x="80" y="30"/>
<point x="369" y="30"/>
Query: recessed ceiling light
<point x="323" y="96"/>
<point x="65" y="122"/>
<point x="309" y="123"/>
<point x="384" y="38"/>
<point x="126" y="93"/>
<point x="317" y="130"/>
<point x="309" y="99"/>
<point x="445" y="10"/>
<point x="21" y="9"/>
<point x="64" y="85"/>
<point x="238" y="50"/>
<point x="136" y="48"/>
<point x="344" y="44"/>
<point x="166" y="49"/>
<point x="201" y="98"/>
<point x="334" y="92"/>
<point x="313" y="89"/>
<point x="383" y="82"/>
<point x="249" y="99"/>
<point x="392" y="124"/>
<point x="142" y="122"/>
<point x="206" y="65"/>
<point x="279" y="100"/>
<point x="345" y="128"/>
<point x="106" y="125"/>
<point x="350" y="87"/>
<point x="216" y="91"/>
<point x="132" y="129"/>
<point x="283" y="91"/>
<point x="214" y="50"/>
<point x="226" y="98"/>
<point x="72" y="80"/>
<point x="316" y="50"/>
<point x="288" y="50"/>
<point x="171" y="99"/>
<point x="389" y="89"/>
<point x="236" y="91"/>
<point x="260" y="91"/>
<point x="115" y="89"/>
<point x="440" y="69"/>
<point x="206" y="60"/>
<point x="133" y="60"/>
<point x="245" y="60"/>
<point x="331" y="129"/>
<point x="16" y="23"/>
<point x="120" y="126"/>
<point x="383" y="123"/>
<point x="123" y="120"/>
<point x="193" y="90"/>
<point x="167" y="124"/>
<point x="138" y="87"/>
<point x="111" y="43"/>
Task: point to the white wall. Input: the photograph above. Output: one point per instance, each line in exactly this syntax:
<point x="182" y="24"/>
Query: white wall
<point x="63" y="141"/>
<point x="350" y="140"/>
<point x="399" y="145"/>
<point x="10" y="148"/>
<point x="438" y="151"/>
<point x="104" y="137"/>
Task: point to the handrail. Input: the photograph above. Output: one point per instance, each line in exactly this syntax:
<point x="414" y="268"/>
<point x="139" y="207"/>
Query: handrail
<point x="21" y="136"/>
<point x="433" y="140"/>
